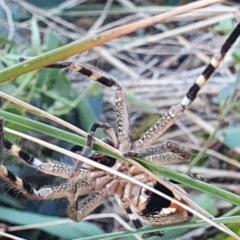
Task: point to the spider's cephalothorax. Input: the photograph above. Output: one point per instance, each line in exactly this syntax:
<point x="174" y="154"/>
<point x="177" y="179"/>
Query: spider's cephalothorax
<point x="81" y="179"/>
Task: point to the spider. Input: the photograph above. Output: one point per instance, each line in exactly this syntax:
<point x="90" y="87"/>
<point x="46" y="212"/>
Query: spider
<point x="141" y="204"/>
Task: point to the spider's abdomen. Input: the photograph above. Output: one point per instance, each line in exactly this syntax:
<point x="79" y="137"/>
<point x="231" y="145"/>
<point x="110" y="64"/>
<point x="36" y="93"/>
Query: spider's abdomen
<point x="156" y="210"/>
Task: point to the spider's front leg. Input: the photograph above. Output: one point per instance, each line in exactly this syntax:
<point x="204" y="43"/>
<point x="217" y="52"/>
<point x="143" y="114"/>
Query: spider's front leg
<point x="54" y="168"/>
<point x="78" y="211"/>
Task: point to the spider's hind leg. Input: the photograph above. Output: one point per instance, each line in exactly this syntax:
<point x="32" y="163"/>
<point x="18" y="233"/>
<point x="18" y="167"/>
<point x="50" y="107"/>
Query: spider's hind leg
<point x="53" y="168"/>
<point x="78" y="211"/>
<point x="18" y="183"/>
<point x="165" y="153"/>
<point x="138" y="225"/>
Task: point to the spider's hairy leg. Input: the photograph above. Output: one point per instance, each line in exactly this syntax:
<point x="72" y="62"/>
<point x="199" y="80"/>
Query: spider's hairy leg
<point x="214" y="63"/>
<point x="65" y="190"/>
<point x="120" y="99"/>
<point x="24" y="187"/>
<point x="109" y="130"/>
<point x="78" y="211"/>
<point x="154" y="132"/>
<point x="124" y="199"/>
<point x="165" y="153"/>
<point x="51" y="192"/>
<point x="86" y="151"/>
<point x="8" y="176"/>
<point x="54" y="168"/>
<point x="138" y="225"/>
<point x="136" y="222"/>
<point x="93" y="75"/>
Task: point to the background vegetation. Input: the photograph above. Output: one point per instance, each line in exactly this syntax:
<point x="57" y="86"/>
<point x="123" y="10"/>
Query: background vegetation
<point x="155" y="65"/>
